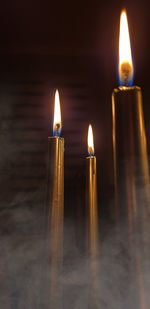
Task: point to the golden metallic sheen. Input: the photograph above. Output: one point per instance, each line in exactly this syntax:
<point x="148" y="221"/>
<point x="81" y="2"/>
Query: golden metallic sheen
<point x="91" y="203"/>
<point x="55" y="209"/>
<point x="131" y="169"/>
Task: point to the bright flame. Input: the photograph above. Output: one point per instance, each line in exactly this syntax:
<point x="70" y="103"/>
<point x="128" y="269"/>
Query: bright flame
<point x="57" y="115"/>
<point x="125" y="56"/>
<point x="90" y="141"/>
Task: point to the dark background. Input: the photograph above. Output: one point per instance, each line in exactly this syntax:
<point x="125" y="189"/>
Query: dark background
<point x="72" y="46"/>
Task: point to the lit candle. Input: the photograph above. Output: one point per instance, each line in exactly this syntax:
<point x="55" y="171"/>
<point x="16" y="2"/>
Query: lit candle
<point x="92" y="218"/>
<point x="91" y="194"/>
<point x="55" y="205"/>
<point x="129" y="138"/>
<point x="56" y="161"/>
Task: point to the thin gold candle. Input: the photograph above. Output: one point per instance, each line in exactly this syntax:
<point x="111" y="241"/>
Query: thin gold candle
<point x="56" y="161"/>
<point x="92" y="217"/>
<point x="91" y="194"/>
<point x="129" y="138"/>
<point x="55" y="205"/>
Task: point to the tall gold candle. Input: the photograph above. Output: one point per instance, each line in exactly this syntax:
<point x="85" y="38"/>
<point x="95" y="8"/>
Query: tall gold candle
<point x="129" y="138"/>
<point x="55" y="206"/>
<point x="91" y="195"/>
<point x="131" y="168"/>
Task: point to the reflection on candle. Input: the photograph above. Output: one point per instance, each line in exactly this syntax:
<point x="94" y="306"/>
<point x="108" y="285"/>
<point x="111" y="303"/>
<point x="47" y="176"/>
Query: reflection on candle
<point x="55" y="204"/>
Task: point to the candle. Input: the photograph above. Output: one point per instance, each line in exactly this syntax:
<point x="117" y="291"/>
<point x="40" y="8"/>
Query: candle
<point x="129" y="138"/>
<point x="91" y="194"/>
<point x="56" y="163"/>
<point x="92" y="218"/>
<point x="55" y="205"/>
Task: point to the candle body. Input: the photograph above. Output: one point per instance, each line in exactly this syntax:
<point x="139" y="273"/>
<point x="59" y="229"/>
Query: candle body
<point x="91" y="204"/>
<point x="92" y="229"/>
<point x="131" y="168"/>
<point x="55" y="174"/>
<point x="55" y="215"/>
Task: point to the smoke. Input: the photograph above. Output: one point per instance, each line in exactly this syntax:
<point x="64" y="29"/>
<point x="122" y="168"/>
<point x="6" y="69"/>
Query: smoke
<point x="118" y="277"/>
<point x="122" y="266"/>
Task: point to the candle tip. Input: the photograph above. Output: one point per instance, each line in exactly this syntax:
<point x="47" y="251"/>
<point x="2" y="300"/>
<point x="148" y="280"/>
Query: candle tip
<point x="125" y="66"/>
<point x="90" y="141"/>
<point x="57" y="124"/>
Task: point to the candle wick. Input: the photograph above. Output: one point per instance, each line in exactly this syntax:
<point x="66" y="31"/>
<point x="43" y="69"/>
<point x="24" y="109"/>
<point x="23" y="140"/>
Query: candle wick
<point x="57" y="129"/>
<point x="126" y="73"/>
<point x="126" y="82"/>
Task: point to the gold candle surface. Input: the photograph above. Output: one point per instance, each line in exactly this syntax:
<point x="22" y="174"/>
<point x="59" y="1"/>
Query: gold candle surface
<point x="56" y="173"/>
<point x="91" y="203"/>
<point x="92" y="225"/>
<point x="129" y="143"/>
<point x="128" y="121"/>
<point x="55" y="206"/>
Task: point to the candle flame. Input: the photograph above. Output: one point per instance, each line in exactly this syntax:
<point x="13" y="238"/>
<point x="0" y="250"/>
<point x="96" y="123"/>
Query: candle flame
<point x="125" y="56"/>
<point x="57" y="125"/>
<point x="90" y="141"/>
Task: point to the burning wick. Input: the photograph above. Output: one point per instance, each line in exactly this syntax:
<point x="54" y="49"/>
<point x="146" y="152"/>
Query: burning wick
<point x="57" y="125"/>
<point x="126" y="70"/>
<point x="57" y="129"/>
<point x="90" y="141"/>
<point x="125" y="56"/>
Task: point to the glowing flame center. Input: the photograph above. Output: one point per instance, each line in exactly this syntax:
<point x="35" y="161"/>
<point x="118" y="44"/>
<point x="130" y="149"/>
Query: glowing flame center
<point x="125" y="56"/>
<point x="90" y="141"/>
<point x="57" y="115"/>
